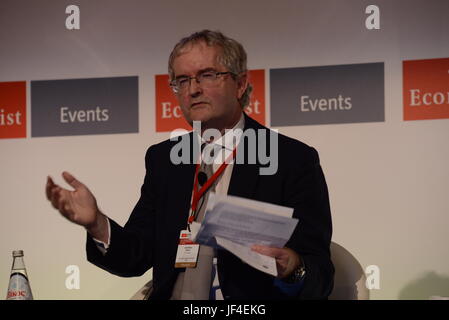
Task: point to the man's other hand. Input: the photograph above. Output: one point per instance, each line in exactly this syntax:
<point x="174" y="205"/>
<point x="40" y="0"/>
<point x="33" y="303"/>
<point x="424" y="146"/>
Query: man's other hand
<point x="287" y="260"/>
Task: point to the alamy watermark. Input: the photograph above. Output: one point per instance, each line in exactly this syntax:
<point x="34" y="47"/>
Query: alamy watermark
<point x="73" y="279"/>
<point x="258" y="147"/>
<point x="372" y="21"/>
<point x="72" y="22"/>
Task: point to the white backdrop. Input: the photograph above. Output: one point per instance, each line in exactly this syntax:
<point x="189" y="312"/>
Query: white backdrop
<point x="388" y="181"/>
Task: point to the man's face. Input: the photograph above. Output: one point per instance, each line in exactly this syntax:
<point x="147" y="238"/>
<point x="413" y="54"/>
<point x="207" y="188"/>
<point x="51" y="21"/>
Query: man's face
<point x="215" y="106"/>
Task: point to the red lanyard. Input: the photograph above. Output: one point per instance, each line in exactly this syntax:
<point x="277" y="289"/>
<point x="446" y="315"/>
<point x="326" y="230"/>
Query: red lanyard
<point x="198" y="193"/>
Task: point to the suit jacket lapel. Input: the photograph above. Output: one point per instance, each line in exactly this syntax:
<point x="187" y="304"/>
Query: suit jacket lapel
<point x="182" y="176"/>
<point x="245" y="177"/>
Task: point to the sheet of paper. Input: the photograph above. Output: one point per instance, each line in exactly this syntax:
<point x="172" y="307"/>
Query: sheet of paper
<point x="241" y="221"/>
<point x="250" y="204"/>
<point x="256" y="260"/>
<point x="194" y="228"/>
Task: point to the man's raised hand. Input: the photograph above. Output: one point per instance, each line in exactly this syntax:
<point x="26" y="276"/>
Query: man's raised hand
<point x="78" y="206"/>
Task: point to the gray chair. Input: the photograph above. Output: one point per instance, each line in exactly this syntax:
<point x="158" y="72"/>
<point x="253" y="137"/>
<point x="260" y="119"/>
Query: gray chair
<point x="350" y="278"/>
<point x="144" y="292"/>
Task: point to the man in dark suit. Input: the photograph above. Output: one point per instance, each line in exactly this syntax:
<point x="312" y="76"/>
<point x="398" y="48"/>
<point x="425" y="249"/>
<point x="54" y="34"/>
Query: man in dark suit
<point x="209" y="77"/>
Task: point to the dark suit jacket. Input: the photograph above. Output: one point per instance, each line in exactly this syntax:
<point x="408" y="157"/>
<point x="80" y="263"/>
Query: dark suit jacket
<point x="150" y="237"/>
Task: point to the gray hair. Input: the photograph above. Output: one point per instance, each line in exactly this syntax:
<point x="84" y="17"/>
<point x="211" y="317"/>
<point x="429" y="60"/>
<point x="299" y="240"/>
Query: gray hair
<point x="233" y="55"/>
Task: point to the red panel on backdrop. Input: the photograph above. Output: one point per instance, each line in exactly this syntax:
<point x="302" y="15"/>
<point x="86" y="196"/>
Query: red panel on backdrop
<point x="426" y="89"/>
<point x="13" y="110"/>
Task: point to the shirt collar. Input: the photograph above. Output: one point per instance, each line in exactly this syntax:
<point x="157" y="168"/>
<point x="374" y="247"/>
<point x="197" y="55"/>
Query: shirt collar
<point x="227" y="140"/>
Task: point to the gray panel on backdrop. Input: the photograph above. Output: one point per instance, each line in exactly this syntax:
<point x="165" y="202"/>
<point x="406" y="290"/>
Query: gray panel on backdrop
<point x="84" y="106"/>
<point x="327" y="94"/>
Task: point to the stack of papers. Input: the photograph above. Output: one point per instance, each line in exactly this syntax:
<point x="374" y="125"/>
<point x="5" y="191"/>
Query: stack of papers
<point x="236" y="224"/>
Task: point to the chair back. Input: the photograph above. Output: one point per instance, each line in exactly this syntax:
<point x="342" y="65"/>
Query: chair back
<point x="350" y="278"/>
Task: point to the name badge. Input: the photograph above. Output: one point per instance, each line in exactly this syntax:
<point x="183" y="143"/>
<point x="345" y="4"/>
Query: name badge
<point x="187" y="254"/>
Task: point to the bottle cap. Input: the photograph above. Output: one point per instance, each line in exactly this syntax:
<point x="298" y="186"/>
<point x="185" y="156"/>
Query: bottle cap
<point x="17" y="253"/>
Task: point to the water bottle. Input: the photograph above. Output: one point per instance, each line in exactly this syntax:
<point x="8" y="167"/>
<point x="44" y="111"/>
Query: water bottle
<point x="19" y="286"/>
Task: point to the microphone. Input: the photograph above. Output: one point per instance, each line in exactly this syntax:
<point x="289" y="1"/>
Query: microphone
<point x="202" y="178"/>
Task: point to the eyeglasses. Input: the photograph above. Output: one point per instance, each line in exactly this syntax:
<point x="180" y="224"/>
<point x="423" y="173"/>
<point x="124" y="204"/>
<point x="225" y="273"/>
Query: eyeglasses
<point x="205" y="79"/>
